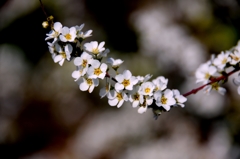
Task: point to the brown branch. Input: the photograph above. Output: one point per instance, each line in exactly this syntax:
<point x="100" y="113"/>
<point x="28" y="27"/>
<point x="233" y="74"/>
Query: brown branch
<point x="42" y="6"/>
<point x="223" y="77"/>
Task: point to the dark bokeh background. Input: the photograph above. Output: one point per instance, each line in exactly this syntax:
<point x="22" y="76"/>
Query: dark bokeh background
<point x="43" y="114"/>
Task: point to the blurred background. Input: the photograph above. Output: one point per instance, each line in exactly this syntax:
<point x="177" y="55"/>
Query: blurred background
<point x="44" y="115"/>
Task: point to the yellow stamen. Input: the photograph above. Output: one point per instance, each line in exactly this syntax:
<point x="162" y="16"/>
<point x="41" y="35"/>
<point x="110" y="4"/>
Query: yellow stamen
<point x="97" y="71"/>
<point x="147" y="90"/>
<point x="126" y="82"/>
<point x="68" y="36"/>
<point x="163" y="100"/>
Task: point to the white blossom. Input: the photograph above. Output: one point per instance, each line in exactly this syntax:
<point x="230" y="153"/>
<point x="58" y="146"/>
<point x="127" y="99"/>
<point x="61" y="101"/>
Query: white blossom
<point x="164" y="99"/>
<point x="114" y="63"/>
<point x="216" y="87"/>
<point x="68" y="34"/>
<point x="160" y="83"/>
<point x="135" y="97"/>
<point x="63" y="55"/>
<point x="235" y="57"/>
<point x="125" y="81"/>
<point x="147" y="88"/>
<point x="97" y="69"/>
<point x="117" y="98"/>
<point x="180" y="99"/>
<point x="222" y="59"/>
<point x="94" y="48"/>
<point x="53" y="34"/>
<point x="204" y="72"/>
<point x="87" y="84"/>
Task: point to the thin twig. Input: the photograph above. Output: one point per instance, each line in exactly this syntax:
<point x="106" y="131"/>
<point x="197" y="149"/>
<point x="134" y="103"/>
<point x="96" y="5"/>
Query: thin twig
<point x="42" y="6"/>
<point x="223" y="77"/>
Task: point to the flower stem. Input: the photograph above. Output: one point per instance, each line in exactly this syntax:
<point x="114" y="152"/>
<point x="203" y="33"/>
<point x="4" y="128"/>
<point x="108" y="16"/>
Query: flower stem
<point x="223" y="77"/>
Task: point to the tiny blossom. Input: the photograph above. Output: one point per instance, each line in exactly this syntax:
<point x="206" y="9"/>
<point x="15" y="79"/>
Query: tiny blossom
<point x="235" y="57"/>
<point x="216" y="87"/>
<point x="142" y="79"/>
<point x="147" y="88"/>
<point x="105" y="90"/>
<point x="160" y="83"/>
<point x="52" y="49"/>
<point x="63" y="54"/>
<point x="147" y="101"/>
<point x="84" y="35"/>
<point x="117" y="98"/>
<point x="79" y="72"/>
<point x="94" y="48"/>
<point x="114" y="63"/>
<point x="164" y="99"/>
<point x="135" y="97"/>
<point x="53" y="34"/>
<point x="68" y="34"/>
<point x="125" y="80"/>
<point x="84" y="60"/>
<point x="79" y="28"/>
<point x="87" y="84"/>
<point x="179" y="98"/>
<point x="97" y="69"/>
<point x="222" y="59"/>
<point x="204" y="72"/>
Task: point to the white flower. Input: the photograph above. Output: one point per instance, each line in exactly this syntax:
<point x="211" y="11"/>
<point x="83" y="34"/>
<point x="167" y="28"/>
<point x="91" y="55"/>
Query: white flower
<point x="164" y="99"/>
<point x="216" y="87"/>
<point x="84" y="35"/>
<point x="63" y="54"/>
<point x="117" y="98"/>
<point x="52" y="49"/>
<point x="94" y="48"/>
<point x="79" y="28"/>
<point x="68" y="34"/>
<point x="147" y="88"/>
<point x="180" y="99"/>
<point x="142" y="79"/>
<point x="87" y="84"/>
<point x="235" y="57"/>
<point x="222" y="59"/>
<point x="79" y="72"/>
<point x="105" y="90"/>
<point x="204" y="72"/>
<point x="143" y="107"/>
<point x="114" y="63"/>
<point x="84" y="60"/>
<point x="135" y="97"/>
<point x="57" y="28"/>
<point x="160" y="83"/>
<point x="97" y="70"/>
<point x="125" y="80"/>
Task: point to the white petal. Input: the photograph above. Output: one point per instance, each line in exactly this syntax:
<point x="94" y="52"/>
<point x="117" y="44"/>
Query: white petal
<point x="127" y="74"/>
<point x="83" y="86"/>
<point x="113" y="102"/>
<point x="103" y="67"/>
<point x="91" y="88"/>
<point x="58" y="58"/>
<point x="142" y="110"/>
<point x="57" y="26"/>
<point x="101" y="45"/>
<point x="119" y="86"/>
<point x="135" y="103"/>
<point x="94" y="44"/>
<point x="119" y="78"/>
<point x="120" y="103"/>
<point x="65" y="30"/>
<point x="76" y="74"/>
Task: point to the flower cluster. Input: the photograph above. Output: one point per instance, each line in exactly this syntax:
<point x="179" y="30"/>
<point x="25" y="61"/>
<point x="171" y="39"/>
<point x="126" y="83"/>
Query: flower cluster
<point x="210" y="73"/>
<point x="68" y="45"/>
